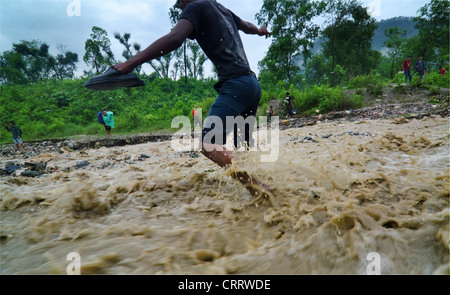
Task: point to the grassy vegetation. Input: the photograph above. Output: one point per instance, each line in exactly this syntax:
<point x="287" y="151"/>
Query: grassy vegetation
<point x="60" y="109"/>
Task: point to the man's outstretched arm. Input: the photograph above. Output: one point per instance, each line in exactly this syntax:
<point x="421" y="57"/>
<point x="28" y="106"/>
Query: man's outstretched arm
<point x="160" y="47"/>
<point x="251" y="29"/>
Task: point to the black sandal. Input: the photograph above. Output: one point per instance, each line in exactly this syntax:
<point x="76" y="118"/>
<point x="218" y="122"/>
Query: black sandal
<point x="111" y="79"/>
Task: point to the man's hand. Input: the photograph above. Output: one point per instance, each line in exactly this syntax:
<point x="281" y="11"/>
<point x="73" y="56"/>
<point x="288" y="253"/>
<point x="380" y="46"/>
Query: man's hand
<point x="123" y="68"/>
<point x="264" y="32"/>
<point x="249" y="28"/>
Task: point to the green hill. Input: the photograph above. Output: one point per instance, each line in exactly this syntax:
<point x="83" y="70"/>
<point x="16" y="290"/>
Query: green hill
<point x="407" y="23"/>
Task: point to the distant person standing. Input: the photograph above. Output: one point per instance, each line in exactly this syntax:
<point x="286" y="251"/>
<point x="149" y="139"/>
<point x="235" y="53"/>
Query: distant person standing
<point x="17" y="135"/>
<point x="442" y="71"/>
<point x="271" y="113"/>
<point x="421" y="69"/>
<point x="289" y="101"/>
<point x="407" y="69"/>
<point x="108" y="118"/>
<point x="197" y="119"/>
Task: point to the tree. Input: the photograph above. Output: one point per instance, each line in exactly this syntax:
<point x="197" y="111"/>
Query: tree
<point x="98" y="51"/>
<point x="161" y="65"/>
<point x="11" y="68"/>
<point x="396" y="39"/>
<point x="130" y="49"/>
<point x="174" y="14"/>
<point x="179" y="64"/>
<point x="30" y="61"/>
<point x="196" y="60"/>
<point x="349" y="37"/>
<point x="293" y="34"/>
<point x="65" y="63"/>
<point x="336" y="11"/>
<point x="432" y="42"/>
<point x="192" y="59"/>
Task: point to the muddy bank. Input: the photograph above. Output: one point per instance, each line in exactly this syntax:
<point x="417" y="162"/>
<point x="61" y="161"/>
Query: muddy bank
<point x="401" y="112"/>
<point x="342" y="190"/>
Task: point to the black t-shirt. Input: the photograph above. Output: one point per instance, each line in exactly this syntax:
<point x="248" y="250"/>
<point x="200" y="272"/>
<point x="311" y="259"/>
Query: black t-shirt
<point x="217" y="33"/>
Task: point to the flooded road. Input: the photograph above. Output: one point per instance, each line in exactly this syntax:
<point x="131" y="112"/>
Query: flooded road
<point x="342" y="191"/>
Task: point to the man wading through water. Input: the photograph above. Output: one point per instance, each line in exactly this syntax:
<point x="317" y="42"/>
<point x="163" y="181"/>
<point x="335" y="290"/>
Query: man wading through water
<point x="216" y="30"/>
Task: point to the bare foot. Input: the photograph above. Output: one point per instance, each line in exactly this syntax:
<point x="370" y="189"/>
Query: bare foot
<point x="254" y="186"/>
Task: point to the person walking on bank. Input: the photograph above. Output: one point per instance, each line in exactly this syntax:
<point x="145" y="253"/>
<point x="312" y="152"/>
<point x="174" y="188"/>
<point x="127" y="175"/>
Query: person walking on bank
<point x="17" y="135"/>
<point x="108" y="118"/>
<point x="216" y="30"/>
<point x="407" y="69"/>
<point x="421" y="69"/>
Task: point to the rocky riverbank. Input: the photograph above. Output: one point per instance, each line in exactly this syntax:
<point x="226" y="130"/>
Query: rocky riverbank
<point x="400" y="112"/>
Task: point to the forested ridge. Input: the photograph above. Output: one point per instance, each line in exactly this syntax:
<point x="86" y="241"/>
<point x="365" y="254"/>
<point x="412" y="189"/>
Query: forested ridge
<point x="41" y="94"/>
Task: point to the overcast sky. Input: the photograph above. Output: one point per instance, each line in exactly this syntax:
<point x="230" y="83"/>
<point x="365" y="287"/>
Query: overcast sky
<point x="70" y="22"/>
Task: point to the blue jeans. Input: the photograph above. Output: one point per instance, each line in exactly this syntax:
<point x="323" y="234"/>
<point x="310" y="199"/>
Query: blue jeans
<point x="237" y="98"/>
<point x="408" y="75"/>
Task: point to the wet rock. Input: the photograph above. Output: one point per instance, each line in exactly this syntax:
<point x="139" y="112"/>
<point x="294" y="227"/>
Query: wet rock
<point x="36" y="166"/>
<point x="351" y="133"/>
<point x="30" y="173"/>
<point x="105" y="165"/>
<point x="12" y="168"/>
<point x="190" y="154"/>
<point x="143" y="157"/>
<point x="308" y="139"/>
<point x="82" y="164"/>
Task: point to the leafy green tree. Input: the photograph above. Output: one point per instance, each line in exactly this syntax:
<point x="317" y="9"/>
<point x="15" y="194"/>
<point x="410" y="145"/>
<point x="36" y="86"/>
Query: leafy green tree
<point x="396" y="38"/>
<point x="65" y="63"/>
<point x="293" y="34"/>
<point x="181" y="58"/>
<point x="320" y="71"/>
<point x="178" y="65"/>
<point x="432" y="42"/>
<point x="196" y="60"/>
<point x="161" y="65"/>
<point x="12" y="68"/>
<point x="98" y="51"/>
<point x="130" y="49"/>
<point x="349" y="37"/>
<point x="32" y="59"/>
<point x="192" y="58"/>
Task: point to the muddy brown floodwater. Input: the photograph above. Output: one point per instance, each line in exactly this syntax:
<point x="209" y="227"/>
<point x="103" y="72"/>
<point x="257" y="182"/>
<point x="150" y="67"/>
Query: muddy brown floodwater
<point x="342" y="190"/>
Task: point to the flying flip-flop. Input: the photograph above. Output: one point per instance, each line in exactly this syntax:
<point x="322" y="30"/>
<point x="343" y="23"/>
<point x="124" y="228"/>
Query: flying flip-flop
<point x="112" y="79"/>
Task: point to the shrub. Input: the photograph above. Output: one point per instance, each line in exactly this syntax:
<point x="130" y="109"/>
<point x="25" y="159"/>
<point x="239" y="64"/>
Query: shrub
<point x="363" y="81"/>
<point x="376" y="89"/>
<point x="437" y="80"/>
<point x="326" y="100"/>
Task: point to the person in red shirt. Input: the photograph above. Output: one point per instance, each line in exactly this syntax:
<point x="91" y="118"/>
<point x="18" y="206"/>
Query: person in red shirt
<point x="442" y="71"/>
<point x="197" y="120"/>
<point x="271" y="113"/>
<point x="407" y="69"/>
